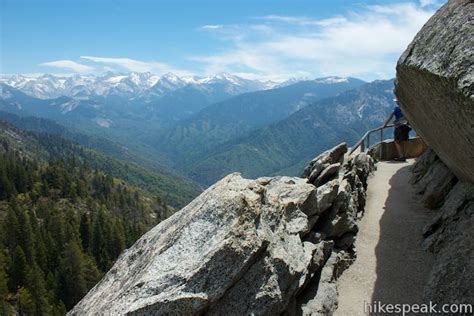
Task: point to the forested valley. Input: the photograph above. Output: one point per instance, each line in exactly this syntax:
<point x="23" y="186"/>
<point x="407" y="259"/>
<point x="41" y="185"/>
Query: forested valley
<point x="63" y="222"/>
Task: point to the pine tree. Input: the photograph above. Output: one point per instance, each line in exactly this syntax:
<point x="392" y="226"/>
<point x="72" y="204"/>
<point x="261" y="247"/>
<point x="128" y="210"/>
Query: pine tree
<point x="25" y="235"/>
<point x="7" y="188"/>
<point x="41" y="257"/>
<point x="99" y="237"/>
<point x="59" y="310"/>
<point x="18" y="270"/>
<point x="92" y="274"/>
<point x="3" y="282"/>
<point x="72" y="282"/>
<point x="21" y="179"/>
<point x="26" y="303"/>
<point x="37" y="287"/>
<point x="10" y="229"/>
<point x="85" y="231"/>
<point x="3" y="286"/>
<point x="56" y="228"/>
<point x="71" y="226"/>
<point x="118" y="240"/>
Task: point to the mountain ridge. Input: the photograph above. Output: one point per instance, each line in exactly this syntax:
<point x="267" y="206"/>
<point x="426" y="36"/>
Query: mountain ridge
<point x="286" y="145"/>
<point x="219" y="122"/>
<point x="47" y="86"/>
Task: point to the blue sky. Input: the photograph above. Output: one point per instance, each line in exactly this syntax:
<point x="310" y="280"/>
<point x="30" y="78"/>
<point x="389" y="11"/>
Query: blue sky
<point x="266" y="39"/>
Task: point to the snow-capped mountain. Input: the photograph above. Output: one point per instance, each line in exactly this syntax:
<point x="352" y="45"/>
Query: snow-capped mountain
<point x="118" y="101"/>
<point x="144" y="85"/>
<point x="332" y="80"/>
<point x="323" y="80"/>
<point x="222" y="84"/>
<point x="232" y="84"/>
<point x="111" y="98"/>
<point x="166" y="83"/>
<point x="45" y="86"/>
<point x="82" y="86"/>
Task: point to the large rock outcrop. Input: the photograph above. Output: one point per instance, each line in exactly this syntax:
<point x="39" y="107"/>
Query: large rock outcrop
<point x="435" y="88"/>
<point x="449" y="236"/>
<point x="264" y="247"/>
<point x="435" y="85"/>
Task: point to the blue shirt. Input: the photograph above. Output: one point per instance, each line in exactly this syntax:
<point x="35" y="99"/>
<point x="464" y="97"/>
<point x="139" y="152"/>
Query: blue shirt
<point x="398" y="113"/>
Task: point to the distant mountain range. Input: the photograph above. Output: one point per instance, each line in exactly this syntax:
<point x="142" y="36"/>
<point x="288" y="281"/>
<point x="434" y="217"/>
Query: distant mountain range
<point x="202" y="128"/>
<point x="233" y="117"/>
<point x="145" y="85"/>
<point x="142" y="105"/>
<point x="116" y="100"/>
<point x="285" y="147"/>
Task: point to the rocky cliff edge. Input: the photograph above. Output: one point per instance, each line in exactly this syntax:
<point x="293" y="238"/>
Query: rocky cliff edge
<point x="266" y="246"/>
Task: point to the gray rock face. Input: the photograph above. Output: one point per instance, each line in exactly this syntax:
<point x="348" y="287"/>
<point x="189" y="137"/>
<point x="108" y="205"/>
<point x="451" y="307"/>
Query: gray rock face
<point x="435" y="85"/>
<point x="324" y="299"/>
<point x="323" y="161"/>
<point x="242" y="247"/>
<point x="451" y="239"/>
<point x="450" y="235"/>
<point x="436" y="181"/>
<point x="422" y="165"/>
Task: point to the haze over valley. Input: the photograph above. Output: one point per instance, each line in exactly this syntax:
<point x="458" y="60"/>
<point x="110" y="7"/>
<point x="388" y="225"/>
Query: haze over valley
<point x="202" y="128"/>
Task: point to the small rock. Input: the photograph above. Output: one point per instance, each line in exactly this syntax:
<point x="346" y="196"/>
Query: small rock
<point x="329" y="173"/>
<point x="326" y="194"/>
<point x="316" y="171"/>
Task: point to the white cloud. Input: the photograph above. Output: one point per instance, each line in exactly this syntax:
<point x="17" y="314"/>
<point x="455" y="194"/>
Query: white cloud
<point x="127" y="63"/>
<point x="301" y="20"/>
<point x="285" y="18"/>
<point x="69" y="65"/>
<point x="212" y="26"/>
<point x="134" y="65"/>
<point x="365" y="43"/>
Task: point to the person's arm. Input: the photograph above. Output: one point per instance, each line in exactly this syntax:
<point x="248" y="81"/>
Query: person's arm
<point x="388" y="119"/>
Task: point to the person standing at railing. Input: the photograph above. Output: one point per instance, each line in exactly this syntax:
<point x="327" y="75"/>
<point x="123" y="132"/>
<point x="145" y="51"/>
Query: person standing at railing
<point x="401" y="132"/>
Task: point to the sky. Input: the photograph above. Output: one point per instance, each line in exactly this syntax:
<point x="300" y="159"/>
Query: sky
<point x="256" y="39"/>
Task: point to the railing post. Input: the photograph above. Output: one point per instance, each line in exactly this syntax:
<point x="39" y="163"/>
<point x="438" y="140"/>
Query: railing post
<point x="366" y="138"/>
<point x="381" y="145"/>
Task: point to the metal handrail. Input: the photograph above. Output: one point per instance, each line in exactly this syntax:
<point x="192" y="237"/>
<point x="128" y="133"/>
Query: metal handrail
<point x="361" y="142"/>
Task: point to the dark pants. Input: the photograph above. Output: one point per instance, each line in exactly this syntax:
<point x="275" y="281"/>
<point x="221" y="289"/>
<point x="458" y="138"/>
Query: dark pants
<point x="402" y="133"/>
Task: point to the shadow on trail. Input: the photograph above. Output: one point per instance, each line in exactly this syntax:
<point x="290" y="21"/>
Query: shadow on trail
<point x="402" y="265"/>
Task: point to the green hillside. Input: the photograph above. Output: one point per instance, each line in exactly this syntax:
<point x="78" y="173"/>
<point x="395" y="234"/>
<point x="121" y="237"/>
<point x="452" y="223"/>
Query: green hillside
<point x="285" y="147"/>
<point x="126" y="164"/>
<point x="218" y="123"/>
<point x="65" y="216"/>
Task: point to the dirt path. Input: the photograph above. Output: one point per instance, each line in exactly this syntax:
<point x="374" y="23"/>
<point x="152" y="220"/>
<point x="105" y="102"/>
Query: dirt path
<point x="390" y="267"/>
